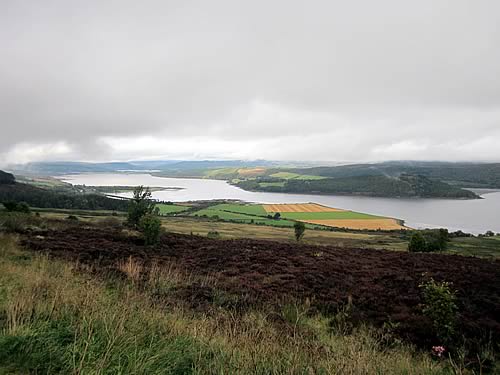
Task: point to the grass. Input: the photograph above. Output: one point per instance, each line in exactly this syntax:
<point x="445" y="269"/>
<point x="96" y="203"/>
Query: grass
<point x="486" y="247"/>
<point x="269" y="184"/>
<point x="249" y="209"/>
<point x="57" y="318"/>
<point x="229" y="230"/>
<point x="296" y="176"/>
<point x="166" y="209"/>
<point x="242" y="218"/>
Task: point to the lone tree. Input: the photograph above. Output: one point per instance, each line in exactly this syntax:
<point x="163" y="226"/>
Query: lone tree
<point x="140" y="205"/>
<point x="300" y="228"/>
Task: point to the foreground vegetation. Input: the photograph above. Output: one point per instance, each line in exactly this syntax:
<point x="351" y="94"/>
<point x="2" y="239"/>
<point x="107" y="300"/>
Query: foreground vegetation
<point x="59" y="319"/>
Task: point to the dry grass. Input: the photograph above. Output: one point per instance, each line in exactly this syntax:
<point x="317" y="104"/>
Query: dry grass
<point x="370" y="224"/>
<point x="251" y="172"/>
<point x="132" y="268"/>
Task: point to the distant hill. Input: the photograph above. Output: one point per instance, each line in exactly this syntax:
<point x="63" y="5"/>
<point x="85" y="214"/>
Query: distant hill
<point x="479" y="175"/>
<point x="405" y="185"/>
<point x="7" y="178"/>
<point x="10" y="190"/>
<point x="169" y="167"/>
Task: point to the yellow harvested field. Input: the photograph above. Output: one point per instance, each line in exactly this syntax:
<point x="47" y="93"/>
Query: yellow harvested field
<point x="251" y="171"/>
<point x="373" y="224"/>
<point x="305" y="207"/>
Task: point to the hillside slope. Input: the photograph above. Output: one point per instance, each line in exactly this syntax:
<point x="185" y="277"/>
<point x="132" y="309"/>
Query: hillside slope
<point x="407" y="186"/>
<point x="10" y="190"/>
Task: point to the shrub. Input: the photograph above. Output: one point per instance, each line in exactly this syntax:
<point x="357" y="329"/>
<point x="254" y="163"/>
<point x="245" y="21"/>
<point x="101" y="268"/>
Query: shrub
<point x="19" y="222"/>
<point x="13" y="206"/>
<point x="417" y="243"/>
<point x="428" y="240"/>
<point x="213" y="234"/>
<point x="439" y="305"/>
<point x="150" y="226"/>
<point x="72" y="218"/>
<point x="299" y="228"/>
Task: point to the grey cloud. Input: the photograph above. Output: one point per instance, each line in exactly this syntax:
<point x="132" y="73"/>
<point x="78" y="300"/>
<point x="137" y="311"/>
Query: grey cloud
<point x="359" y="76"/>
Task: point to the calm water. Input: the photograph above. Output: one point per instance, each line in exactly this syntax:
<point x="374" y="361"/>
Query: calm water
<point x="474" y="216"/>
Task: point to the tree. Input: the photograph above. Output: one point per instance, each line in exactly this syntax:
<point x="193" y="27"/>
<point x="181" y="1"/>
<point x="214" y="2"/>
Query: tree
<point x="23" y="207"/>
<point x="17" y="207"/>
<point x="300" y="228"/>
<point x="140" y="205"/>
<point x="277" y="216"/>
<point x="417" y="243"/>
<point x="150" y="225"/>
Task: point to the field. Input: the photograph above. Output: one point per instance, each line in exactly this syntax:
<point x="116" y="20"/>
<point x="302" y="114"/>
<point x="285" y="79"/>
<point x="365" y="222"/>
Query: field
<point x="166" y="209"/>
<point x="310" y="213"/>
<point x="313" y="213"/>
<point x="302" y="207"/>
<point x="485" y="247"/>
<point x="63" y="311"/>
<point x="382" y="285"/>
<point x="251" y="172"/>
<point x="359" y="224"/>
<point x="295" y="176"/>
<point x="241" y="213"/>
<point x="275" y="184"/>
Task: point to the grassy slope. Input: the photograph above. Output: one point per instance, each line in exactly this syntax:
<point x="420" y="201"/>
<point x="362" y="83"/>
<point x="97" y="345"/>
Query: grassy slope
<point x="59" y="319"/>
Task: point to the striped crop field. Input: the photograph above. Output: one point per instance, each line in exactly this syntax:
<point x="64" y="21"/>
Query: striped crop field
<point x="313" y="213"/>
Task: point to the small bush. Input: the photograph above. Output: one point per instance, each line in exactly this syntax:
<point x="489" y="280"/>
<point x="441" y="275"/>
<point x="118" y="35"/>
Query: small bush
<point x="429" y="240"/>
<point x="13" y="206"/>
<point x="150" y="226"/>
<point x="417" y="243"/>
<point x="72" y="218"/>
<point x="299" y="228"/>
<point x="440" y="307"/>
<point x="213" y="234"/>
<point x="18" y="222"/>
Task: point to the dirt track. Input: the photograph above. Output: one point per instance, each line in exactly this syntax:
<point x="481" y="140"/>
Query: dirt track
<point x="383" y="284"/>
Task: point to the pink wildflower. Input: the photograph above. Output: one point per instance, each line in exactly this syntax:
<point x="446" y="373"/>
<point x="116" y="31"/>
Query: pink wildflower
<point x="438" y="350"/>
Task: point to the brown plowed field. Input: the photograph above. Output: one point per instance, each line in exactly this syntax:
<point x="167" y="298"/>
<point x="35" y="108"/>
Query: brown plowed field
<point x="384" y="285"/>
<point x="371" y="224"/>
<point x="305" y="207"/>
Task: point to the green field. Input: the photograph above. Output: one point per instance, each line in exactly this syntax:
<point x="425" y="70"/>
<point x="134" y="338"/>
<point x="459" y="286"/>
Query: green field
<point x="340" y="215"/>
<point x="249" y="209"/>
<point x="242" y="218"/>
<point x="487" y="247"/>
<point x="268" y="184"/>
<point x="166" y="209"/>
<point x="296" y="176"/>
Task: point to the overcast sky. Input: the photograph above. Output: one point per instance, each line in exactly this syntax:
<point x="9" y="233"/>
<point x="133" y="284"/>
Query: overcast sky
<point x="285" y="80"/>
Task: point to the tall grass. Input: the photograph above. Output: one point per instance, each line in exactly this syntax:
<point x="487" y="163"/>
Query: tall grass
<point x="56" y="318"/>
